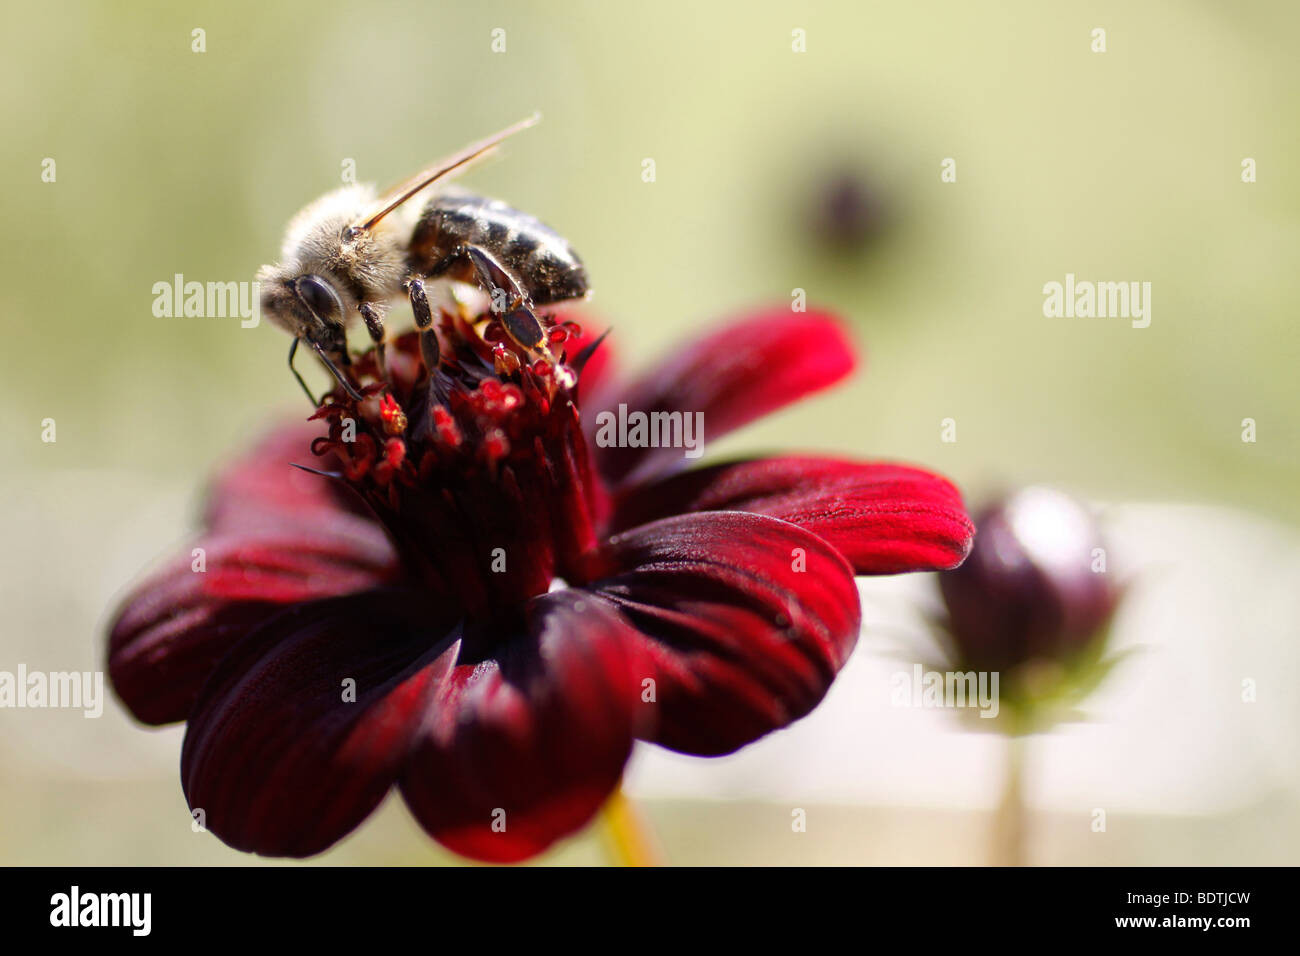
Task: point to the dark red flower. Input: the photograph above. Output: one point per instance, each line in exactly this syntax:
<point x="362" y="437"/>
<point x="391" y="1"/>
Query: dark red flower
<point x="486" y="608"/>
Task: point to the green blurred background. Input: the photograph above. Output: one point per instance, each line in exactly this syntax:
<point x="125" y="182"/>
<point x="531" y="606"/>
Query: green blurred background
<point x="1117" y="166"/>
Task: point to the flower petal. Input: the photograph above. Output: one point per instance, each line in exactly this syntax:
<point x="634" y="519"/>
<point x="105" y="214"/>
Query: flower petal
<point x="263" y="488"/>
<point x="885" y="518"/>
<point x="276" y="756"/>
<point x="173" y="629"/>
<point x="523" y="748"/>
<point x="734" y="375"/>
<point x="747" y="620"/>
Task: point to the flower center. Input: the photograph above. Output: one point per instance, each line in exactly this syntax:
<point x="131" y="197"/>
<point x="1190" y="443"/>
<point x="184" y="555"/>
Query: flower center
<point x="469" y="450"/>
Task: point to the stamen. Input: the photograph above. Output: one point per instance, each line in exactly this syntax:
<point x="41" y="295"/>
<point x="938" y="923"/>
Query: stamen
<point x="391" y="414"/>
<point x="446" y="427"/>
<point x="495" y="446"/>
<point x="504" y="360"/>
<point x="486" y="427"/>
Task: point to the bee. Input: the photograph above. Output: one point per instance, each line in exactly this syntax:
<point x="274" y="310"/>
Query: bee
<point x="347" y="255"/>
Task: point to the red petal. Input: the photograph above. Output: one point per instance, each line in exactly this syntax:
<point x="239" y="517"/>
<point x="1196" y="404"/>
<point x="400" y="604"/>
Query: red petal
<point x="263" y="486"/>
<point x="747" y="619"/>
<point x="735" y="375"/>
<point x="523" y="749"/>
<point x="277" y="759"/>
<point x="175" y="627"/>
<point x="885" y="518"/>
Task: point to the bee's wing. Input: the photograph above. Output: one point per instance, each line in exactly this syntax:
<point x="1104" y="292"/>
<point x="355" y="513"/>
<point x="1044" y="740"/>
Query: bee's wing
<point x="400" y="193"/>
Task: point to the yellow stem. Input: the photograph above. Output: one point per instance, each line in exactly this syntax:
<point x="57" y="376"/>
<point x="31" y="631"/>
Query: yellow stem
<point x="628" y="836"/>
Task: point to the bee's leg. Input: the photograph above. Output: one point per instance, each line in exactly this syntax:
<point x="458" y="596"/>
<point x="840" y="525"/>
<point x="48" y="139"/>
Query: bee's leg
<point x="430" y="350"/>
<point x="293" y="349"/>
<point x="523" y="325"/>
<point x="509" y="301"/>
<point x="375" y="326"/>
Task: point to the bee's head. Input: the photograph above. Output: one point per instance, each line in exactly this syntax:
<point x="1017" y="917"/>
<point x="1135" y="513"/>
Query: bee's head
<point x="312" y="292"/>
<point x="308" y="306"/>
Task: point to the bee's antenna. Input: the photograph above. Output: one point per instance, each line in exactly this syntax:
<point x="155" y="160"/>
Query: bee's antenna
<point x="427" y="177"/>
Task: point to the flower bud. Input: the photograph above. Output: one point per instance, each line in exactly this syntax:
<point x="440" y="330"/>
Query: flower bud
<point x="1034" y="587"/>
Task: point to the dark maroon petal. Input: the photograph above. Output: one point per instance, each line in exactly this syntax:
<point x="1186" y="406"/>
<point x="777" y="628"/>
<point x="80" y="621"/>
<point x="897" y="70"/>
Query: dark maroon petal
<point x="263" y="488"/>
<point x="885" y="518"/>
<point x="534" y="739"/>
<point x="739" y="373"/>
<point x="747" y="620"/>
<point x="173" y="629"/>
<point x="276" y="757"/>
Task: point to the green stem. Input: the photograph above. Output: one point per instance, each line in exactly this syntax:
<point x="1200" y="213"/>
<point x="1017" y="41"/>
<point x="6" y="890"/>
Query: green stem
<point x="1009" y="824"/>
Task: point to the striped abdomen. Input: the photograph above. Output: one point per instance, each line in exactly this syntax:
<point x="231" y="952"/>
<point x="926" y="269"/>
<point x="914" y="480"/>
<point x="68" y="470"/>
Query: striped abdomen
<point x="538" y="257"/>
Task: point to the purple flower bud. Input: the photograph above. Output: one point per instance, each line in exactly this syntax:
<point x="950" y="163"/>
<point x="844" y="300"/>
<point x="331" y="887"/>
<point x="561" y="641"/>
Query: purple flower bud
<point x="1035" y="585"/>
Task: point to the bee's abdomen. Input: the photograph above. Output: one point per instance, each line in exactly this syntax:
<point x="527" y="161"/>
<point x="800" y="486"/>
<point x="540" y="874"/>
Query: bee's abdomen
<point x="539" y="258"/>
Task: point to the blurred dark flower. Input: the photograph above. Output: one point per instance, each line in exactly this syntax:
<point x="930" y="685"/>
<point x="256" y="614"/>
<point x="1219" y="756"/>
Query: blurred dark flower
<point x="1035" y="587"/>
<point x="847" y="212"/>
<point x="510" y="602"/>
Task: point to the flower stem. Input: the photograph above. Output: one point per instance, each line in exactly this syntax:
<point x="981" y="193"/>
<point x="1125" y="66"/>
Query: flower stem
<point x="628" y="836"/>
<point x="1009" y="824"/>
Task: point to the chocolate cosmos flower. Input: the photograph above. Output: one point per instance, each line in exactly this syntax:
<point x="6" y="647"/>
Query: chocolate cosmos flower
<point x="484" y="608"/>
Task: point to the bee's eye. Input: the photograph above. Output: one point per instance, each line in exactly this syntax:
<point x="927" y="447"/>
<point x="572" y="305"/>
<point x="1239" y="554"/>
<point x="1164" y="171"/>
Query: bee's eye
<point x="318" y="296"/>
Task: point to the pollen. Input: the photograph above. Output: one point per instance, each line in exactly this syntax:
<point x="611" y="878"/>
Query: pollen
<point x="394" y="452"/>
<point x="392" y="416"/>
<point x="445" y="426"/>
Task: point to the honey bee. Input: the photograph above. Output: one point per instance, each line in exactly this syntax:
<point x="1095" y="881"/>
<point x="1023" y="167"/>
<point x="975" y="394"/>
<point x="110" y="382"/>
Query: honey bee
<point x="344" y="255"/>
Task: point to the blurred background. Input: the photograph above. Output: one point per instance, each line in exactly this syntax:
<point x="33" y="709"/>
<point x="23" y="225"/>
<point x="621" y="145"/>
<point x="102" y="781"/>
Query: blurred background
<point x="775" y="170"/>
